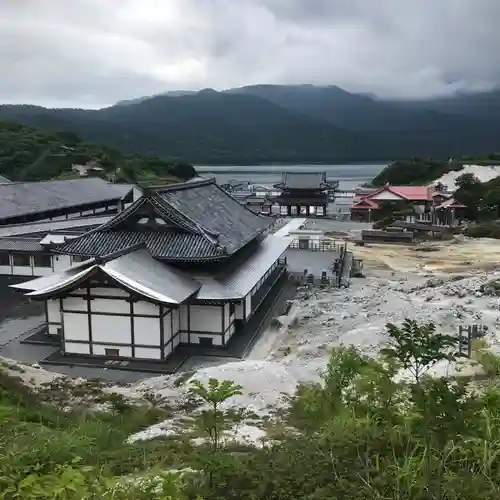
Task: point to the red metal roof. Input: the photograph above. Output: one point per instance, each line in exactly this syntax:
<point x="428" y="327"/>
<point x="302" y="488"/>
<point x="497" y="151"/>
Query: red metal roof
<point x="366" y="204"/>
<point x="409" y="193"/>
<point x="412" y="193"/>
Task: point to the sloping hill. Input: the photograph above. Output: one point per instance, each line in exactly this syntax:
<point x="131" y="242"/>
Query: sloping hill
<point x="206" y="127"/>
<point x="436" y="127"/>
<point x="273" y="124"/>
<point x="28" y="153"/>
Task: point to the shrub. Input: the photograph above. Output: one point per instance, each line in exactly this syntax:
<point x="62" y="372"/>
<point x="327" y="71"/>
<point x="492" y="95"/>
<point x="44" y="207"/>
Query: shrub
<point x="483" y="230"/>
<point x="383" y="223"/>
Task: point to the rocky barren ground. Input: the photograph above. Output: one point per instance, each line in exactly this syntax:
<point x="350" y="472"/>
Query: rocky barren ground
<point x="452" y="284"/>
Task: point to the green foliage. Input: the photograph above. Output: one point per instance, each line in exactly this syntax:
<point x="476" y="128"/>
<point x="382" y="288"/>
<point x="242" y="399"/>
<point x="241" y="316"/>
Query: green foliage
<point x="213" y="420"/>
<point x="418" y="347"/>
<point x="273" y="124"/>
<point x="415" y="171"/>
<point x="366" y="436"/>
<point x="384" y="222"/>
<point x="360" y="433"/>
<point x="47" y="453"/>
<point x="32" y="154"/>
<point x="487" y="229"/>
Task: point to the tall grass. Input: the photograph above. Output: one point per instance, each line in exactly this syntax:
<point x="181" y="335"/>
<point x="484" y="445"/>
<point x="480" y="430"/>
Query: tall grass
<point x="361" y="436"/>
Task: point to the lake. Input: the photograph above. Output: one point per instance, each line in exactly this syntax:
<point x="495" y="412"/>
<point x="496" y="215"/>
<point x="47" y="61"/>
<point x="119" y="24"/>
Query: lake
<point x="349" y="176"/>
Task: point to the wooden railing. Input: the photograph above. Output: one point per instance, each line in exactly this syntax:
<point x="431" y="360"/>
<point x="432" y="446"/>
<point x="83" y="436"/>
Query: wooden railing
<point x="316" y="246"/>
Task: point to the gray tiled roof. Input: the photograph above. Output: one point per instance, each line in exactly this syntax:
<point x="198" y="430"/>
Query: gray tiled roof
<point x="240" y="280"/>
<point x="210" y="207"/>
<point x="125" y="189"/>
<point x="137" y="271"/>
<point x="303" y="180"/>
<point x="84" y="223"/>
<point x="170" y="245"/>
<point x="23" y="198"/>
<point x="202" y="222"/>
<point x="20" y="245"/>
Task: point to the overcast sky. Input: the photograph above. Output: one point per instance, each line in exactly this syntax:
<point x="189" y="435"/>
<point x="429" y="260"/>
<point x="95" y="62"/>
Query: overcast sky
<point x="91" y="53"/>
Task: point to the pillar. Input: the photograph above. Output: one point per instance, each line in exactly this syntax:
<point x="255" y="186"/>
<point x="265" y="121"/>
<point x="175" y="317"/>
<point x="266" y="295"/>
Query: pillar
<point x="289" y="209"/>
<point x="308" y="212"/>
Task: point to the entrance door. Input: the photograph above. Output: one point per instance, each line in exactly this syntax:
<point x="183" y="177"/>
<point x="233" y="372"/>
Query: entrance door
<point x="303" y="244"/>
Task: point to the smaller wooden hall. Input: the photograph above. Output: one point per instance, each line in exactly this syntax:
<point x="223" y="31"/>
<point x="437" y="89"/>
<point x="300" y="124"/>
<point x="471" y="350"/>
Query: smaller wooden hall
<point x="185" y="264"/>
<point x="304" y="193"/>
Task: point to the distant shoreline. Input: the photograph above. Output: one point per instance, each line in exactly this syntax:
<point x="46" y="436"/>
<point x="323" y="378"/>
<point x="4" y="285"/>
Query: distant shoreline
<point x="291" y="164"/>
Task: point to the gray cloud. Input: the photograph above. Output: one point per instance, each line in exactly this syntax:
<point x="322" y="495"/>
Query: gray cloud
<point x="94" y="52"/>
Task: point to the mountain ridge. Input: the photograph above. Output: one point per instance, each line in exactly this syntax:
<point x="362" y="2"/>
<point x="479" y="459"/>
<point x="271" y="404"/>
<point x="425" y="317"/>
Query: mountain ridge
<point x="281" y="124"/>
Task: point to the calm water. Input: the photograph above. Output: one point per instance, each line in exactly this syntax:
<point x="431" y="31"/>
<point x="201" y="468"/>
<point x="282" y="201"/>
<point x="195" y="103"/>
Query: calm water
<point x="349" y="176"/>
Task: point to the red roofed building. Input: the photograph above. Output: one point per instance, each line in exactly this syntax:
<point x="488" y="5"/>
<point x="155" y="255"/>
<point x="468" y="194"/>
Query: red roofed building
<point x="420" y="201"/>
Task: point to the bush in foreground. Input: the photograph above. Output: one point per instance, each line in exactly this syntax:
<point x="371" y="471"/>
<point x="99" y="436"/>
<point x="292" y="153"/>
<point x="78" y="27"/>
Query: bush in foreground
<point x="363" y="434"/>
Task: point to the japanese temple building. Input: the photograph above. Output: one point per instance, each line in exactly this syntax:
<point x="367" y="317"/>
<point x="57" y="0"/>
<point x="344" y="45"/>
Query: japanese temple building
<point x="184" y="264"/>
<point x="27" y="202"/>
<point x="304" y="193"/>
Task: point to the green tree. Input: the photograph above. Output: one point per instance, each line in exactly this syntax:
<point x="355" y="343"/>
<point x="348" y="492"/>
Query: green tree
<point x="213" y="420"/>
<point x="418" y="347"/>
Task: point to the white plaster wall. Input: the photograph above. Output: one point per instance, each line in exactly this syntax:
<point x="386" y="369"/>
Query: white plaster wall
<point x="116" y="306"/>
<point x="177" y="341"/>
<point x="248" y="311"/>
<point x="227" y="318"/>
<point x="229" y="333"/>
<point x="144" y="353"/>
<point x="74" y="304"/>
<point x="115" y="329"/>
<point x="72" y="348"/>
<point x="183" y="317"/>
<point x="167" y="330"/>
<point x="184" y="337"/>
<point x="238" y="310"/>
<point x="22" y="270"/>
<point x="176" y="321"/>
<point x="167" y="350"/>
<point x="53" y="315"/>
<point x="142" y="307"/>
<point x="6" y="270"/>
<point x="147" y="331"/>
<point x="61" y="262"/>
<point x="206" y="318"/>
<point x="76" y="327"/>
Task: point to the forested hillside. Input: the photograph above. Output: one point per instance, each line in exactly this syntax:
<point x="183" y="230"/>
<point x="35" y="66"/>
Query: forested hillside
<point x="28" y="153"/>
<point x="418" y="171"/>
<point x="278" y="124"/>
